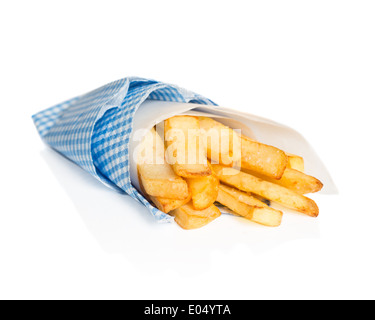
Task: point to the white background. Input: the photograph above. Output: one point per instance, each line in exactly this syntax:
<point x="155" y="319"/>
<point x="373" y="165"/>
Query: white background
<point x="307" y="64"/>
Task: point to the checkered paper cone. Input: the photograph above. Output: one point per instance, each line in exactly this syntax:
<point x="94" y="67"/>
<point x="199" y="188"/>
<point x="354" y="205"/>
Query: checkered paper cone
<point x="93" y="130"/>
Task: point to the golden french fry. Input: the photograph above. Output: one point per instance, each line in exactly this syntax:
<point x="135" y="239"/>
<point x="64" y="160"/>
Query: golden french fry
<point x="249" y="199"/>
<point x="204" y="191"/>
<point x="223" y="145"/>
<point x="295" y="162"/>
<point x="267" y="174"/>
<point x="267" y="160"/>
<point x="256" y="156"/>
<point x="256" y="211"/>
<point x="268" y="190"/>
<point x="185" y="149"/>
<point x="189" y="218"/>
<point x="168" y="205"/>
<point x="157" y="176"/>
<point x="164" y="204"/>
<point x="294" y="180"/>
<point x="261" y="199"/>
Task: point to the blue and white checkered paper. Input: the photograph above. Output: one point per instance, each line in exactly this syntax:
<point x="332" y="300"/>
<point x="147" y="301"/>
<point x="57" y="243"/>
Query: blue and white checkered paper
<point x="93" y="130"/>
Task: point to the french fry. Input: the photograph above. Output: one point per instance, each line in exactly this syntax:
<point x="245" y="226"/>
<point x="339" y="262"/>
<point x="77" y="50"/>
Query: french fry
<point x="268" y="190"/>
<point x="188" y="218"/>
<point x="267" y="160"/>
<point x="252" y="209"/>
<point x="294" y="180"/>
<point x="256" y="156"/>
<point x="161" y="181"/>
<point x="249" y="199"/>
<point x="295" y="162"/>
<point x="157" y="176"/>
<point x="220" y="142"/>
<point x="185" y="149"/>
<point x="168" y="205"/>
<point x="263" y="200"/>
<point x="164" y="204"/>
<point x="204" y="191"/>
<point x="179" y="180"/>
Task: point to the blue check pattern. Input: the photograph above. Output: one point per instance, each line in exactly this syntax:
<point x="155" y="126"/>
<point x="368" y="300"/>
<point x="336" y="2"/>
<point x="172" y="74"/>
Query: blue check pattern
<point x="93" y="130"/>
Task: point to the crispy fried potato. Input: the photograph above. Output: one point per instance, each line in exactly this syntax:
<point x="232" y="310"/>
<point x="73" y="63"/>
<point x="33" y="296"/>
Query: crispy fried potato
<point x="268" y="190"/>
<point x="168" y="205"/>
<point x="261" y="199"/>
<point x="188" y="218"/>
<point x="223" y="145"/>
<point x="294" y="180"/>
<point x="256" y="211"/>
<point x="256" y="156"/>
<point x="204" y="191"/>
<point x="295" y="162"/>
<point x="164" y="204"/>
<point x="179" y="180"/>
<point x="249" y="199"/>
<point x="185" y="149"/>
<point x="157" y="176"/>
<point x="161" y="181"/>
<point x="267" y="160"/>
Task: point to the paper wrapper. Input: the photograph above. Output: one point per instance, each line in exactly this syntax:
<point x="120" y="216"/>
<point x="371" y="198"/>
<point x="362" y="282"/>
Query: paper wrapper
<point x="100" y="130"/>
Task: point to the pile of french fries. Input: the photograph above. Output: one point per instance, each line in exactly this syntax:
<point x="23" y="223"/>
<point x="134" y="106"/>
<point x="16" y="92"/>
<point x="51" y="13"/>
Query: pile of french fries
<point x="188" y="173"/>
